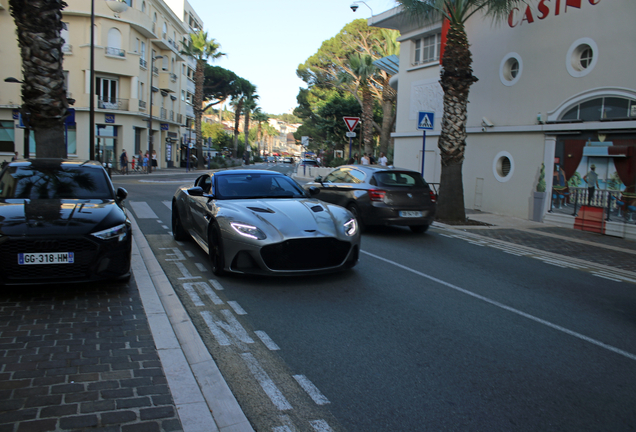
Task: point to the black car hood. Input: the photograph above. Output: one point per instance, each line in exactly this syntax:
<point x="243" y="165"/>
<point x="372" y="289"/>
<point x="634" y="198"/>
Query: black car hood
<point x="47" y="217"/>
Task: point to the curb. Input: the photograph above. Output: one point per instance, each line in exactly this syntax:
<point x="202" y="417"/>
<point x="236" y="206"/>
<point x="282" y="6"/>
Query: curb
<point x="201" y="395"/>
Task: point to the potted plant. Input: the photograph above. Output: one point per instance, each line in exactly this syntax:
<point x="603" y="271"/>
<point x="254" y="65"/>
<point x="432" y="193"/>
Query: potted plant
<point x="539" y="196"/>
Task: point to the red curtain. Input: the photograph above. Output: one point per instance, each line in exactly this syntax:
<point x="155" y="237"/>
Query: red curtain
<point x="625" y="166"/>
<point x="573" y="153"/>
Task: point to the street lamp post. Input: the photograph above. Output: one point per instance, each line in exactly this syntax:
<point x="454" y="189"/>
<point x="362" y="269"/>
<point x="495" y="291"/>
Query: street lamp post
<point x="91" y="91"/>
<point x="152" y="72"/>
<point x="25" y="120"/>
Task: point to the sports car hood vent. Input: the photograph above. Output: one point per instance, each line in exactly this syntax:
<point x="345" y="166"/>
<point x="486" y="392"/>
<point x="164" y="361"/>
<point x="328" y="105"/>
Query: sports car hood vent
<point x="317" y="208"/>
<point x="261" y="210"/>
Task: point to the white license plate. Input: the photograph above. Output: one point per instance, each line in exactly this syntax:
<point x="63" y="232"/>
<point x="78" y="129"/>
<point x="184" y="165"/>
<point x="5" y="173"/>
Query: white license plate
<point x="410" y="214"/>
<point x="46" y="258"/>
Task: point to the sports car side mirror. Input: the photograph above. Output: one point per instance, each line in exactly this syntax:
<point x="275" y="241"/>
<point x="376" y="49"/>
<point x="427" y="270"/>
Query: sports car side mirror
<point x="313" y="190"/>
<point x="121" y="194"/>
<point x="195" y="191"/>
<point x="318" y="179"/>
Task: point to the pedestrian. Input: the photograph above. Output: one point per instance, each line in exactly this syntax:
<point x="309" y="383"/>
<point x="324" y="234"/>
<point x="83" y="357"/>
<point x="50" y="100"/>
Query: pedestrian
<point x="591" y="178"/>
<point x="366" y="160"/>
<point x="383" y="160"/>
<point x="146" y="164"/>
<point x="123" y="162"/>
<point x="318" y="160"/>
<point x="154" y="160"/>
<point x="15" y="157"/>
<point x="356" y="159"/>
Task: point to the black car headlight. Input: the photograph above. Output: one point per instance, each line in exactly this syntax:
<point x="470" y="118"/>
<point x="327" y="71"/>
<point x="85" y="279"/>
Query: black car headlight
<point x="119" y="231"/>
<point x="351" y="227"/>
<point x="248" y="231"/>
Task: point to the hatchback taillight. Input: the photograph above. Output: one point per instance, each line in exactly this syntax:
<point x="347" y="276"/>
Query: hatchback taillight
<point x="376" y="194"/>
<point x="433" y="196"/>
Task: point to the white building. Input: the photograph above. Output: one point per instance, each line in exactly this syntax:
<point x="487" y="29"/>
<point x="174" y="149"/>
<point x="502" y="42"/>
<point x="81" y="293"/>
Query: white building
<point x="556" y="86"/>
<point x="128" y="36"/>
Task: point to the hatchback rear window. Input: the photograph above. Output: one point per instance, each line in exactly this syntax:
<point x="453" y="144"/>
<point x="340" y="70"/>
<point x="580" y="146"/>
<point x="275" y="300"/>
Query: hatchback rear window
<point x="399" y="179"/>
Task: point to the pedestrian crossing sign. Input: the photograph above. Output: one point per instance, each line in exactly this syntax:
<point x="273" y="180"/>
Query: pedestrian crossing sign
<point x="425" y="120"/>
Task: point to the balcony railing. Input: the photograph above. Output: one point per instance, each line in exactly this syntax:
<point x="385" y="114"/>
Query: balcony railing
<point x="171" y="115"/>
<point x="67" y="48"/>
<point x="180" y="118"/>
<point x="164" y="114"/>
<point x="113" y="104"/>
<point x="117" y="52"/>
<point x="142" y="105"/>
<point x="155" y="70"/>
<point x="143" y="63"/>
<point x="173" y="77"/>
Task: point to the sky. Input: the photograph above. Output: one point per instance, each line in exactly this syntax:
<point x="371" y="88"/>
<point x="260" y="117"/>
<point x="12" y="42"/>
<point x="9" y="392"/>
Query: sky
<point x="266" y="40"/>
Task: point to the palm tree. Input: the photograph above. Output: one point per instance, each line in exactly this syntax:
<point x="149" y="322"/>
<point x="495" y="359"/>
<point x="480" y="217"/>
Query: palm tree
<point x="201" y="49"/>
<point x="362" y="70"/>
<point x="456" y="78"/>
<point x="248" y="106"/>
<point x="39" y="24"/>
<point x="387" y="45"/>
<point x="260" y="117"/>
<point x="242" y="88"/>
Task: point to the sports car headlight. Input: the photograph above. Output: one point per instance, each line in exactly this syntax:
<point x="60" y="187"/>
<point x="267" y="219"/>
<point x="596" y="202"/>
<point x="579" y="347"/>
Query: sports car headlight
<point x="351" y="227"/>
<point x="248" y="231"/>
<point x="120" y="231"/>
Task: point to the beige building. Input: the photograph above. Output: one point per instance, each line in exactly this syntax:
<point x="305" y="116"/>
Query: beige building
<point x="555" y="87"/>
<point x="128" y="36"/>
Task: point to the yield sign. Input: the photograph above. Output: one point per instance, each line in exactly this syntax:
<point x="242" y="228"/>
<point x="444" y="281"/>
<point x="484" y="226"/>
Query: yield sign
<point x="351" y="122"/>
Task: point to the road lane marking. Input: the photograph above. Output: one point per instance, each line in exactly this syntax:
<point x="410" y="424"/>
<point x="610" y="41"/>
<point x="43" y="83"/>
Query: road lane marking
<point x="142" y="210"/>
<point x="237" y="308"/>
<point x="508" y="308"/>
<point x="320" y="426"/>
<point x="190" y="254"/>
<point x="216" y="284"/>
<point x="267" y="341"/>
<point x="175" y="253"/>
<point x="311" y="390"/>
<point x="266" y="382"/>
<point x="189" y="288"/>
<point x="215" y="298"/>
<point x="168" y="204"/>
<point x="185" y="272"/>
<point x="218" y="334"/>
<point x="201" y="267"/>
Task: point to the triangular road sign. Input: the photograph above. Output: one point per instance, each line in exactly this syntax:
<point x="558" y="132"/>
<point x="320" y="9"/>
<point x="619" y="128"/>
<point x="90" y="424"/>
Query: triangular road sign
<point x="425" y="120"/>
<point x="351" y="122"/>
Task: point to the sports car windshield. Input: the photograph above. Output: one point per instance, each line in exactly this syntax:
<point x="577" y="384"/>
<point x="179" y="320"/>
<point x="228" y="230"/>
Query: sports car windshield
<point x="240" y="186"/>
<point x="58" y="182"/>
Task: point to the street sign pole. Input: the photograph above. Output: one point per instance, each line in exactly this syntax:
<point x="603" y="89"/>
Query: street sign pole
<point x="425" y="121"/>
<point x="350" y="146"/>
<point x="423" y="150"/>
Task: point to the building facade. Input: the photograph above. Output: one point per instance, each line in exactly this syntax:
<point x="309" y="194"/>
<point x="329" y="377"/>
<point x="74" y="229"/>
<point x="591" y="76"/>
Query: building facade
<point x="137" y="46"/>
<point x="555" y="88"/>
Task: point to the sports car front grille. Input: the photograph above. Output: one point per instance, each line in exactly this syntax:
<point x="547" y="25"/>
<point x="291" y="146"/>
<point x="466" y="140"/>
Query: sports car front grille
<point x="305" y="254"/>
<point x="84" y="250"/>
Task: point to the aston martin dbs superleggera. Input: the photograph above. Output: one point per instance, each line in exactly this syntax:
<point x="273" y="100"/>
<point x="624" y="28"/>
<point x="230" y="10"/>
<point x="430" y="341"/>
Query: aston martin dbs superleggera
<point x="263" y="222"/>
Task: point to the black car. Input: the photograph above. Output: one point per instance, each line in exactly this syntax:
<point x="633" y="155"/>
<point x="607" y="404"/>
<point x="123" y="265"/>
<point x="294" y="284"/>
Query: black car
<point x="378" y="195"/>
<point x="61" y="221"/>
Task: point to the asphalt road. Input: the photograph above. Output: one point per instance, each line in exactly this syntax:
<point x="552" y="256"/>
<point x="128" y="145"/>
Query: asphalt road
<point x="427" y="332"/>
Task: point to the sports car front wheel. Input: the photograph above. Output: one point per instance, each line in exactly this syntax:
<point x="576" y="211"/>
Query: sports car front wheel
<point x="215" y="247"/>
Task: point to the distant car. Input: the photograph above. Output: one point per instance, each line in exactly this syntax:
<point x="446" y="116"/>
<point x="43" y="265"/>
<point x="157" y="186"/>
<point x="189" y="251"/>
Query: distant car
<point x="61" y="221"/>
<point x="309" y="162"/>
<point x="288" y="160"/>
<point x="379" y="195"/>
<point x="271" y="159"/>
<point x="262" y="222"/>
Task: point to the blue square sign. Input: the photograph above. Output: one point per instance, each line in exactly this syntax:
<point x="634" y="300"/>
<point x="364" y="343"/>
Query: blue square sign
<point x="425" y="120"/>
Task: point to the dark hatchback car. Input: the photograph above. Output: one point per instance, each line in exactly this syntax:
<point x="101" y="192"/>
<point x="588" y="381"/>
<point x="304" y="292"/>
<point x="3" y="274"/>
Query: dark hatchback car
<point x="61" y="221"/>
<point x="379" y="195"/>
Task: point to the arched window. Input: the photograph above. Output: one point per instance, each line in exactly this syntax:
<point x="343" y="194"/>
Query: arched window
<point x="114" y="43"/>
<point x="143" y="7"/>
<point x="603" y="108"/>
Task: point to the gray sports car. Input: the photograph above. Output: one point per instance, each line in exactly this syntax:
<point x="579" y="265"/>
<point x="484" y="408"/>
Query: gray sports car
<point x="263" y="222"/>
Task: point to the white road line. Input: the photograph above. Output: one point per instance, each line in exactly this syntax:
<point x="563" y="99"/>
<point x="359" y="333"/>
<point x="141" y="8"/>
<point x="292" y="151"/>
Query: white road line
<point x="215" y="298"/>
<point x="267" y="341"/>
<point x="266" y="383"/>
<point x="178" y="256"/>
<point x="185" y="272"/>
<point x="164" y="227"/>
<point x="190" y="254"/>
<point x="216" y="284"/>
<point x="311" y="390"/>
<point x="142" y="210"/>
<point x="237" y="308"/>
<point x="509" y="309"/>
<point x="234" y="327"/>
<point x="168" y="204"/>
<point x="201" y="267"/>
<point x="189" y="288"/>
<point x="282" y="429"/>
<point x="320" y="426"/>
<point x="158" y="221"/>
<point x="606" y="277"/>
<point x="218" y="334"/>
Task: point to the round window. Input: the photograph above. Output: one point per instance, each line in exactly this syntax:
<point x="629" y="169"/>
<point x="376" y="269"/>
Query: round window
<point x="582" y="57"/>
<point x="510" y="69"/>
<point x="503" y="166"/>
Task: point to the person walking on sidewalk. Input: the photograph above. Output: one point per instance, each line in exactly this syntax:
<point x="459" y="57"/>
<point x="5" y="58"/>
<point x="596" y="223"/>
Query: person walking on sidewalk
<point x="591" y="179"/>
<point x="123" y="162"/>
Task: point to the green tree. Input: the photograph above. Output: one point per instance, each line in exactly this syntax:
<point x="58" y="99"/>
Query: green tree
<point x="39" y="23"/>
<point x="200" y="48"/>
<point x="218" y="85"/>
<point x="248" y="106"/>
<point x="260" y="117"/>
<point x="242" y="88"/>
<point x="361" y="69"/>
<point x="456" y="79"/>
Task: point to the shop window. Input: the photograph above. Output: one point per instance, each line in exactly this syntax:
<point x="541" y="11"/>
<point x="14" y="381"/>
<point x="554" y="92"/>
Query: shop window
<point x="510" y="69"/>
<point x="581" y="57"/>
<point x="7" y="134"/>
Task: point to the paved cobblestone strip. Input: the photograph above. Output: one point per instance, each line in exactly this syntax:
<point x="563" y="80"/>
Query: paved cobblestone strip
<point x="79" y="357"/>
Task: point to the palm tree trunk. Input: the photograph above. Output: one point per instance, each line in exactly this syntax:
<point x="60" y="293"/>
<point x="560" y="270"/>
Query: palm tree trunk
<point x="237" y="118"/>
<point x="456" y="79"/>
<point x="198" y="113"/>
<point x="367" y="119"/>
<point x="39" y="24"/>
<point x="247" y="130"/>
<point x="388" y="116"/>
